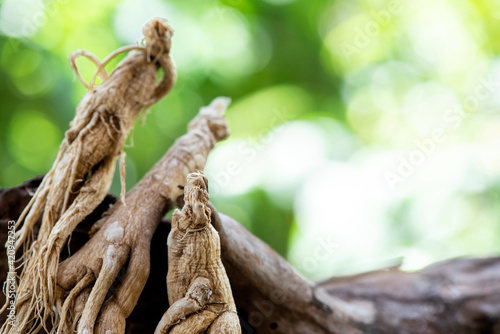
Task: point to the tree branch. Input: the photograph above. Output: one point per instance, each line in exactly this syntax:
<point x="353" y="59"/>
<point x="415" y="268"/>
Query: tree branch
<point x="458" y="296"/>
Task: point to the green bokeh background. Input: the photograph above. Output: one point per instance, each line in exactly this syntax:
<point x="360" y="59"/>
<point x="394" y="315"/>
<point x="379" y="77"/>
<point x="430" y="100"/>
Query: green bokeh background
<point x="329" y="97"/>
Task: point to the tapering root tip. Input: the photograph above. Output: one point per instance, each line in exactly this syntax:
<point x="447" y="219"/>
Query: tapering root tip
<point x="197" y="179"/>
<point x="157" y="34"/>
<point x="195" y="214"/>
<point x="217" y="107"/>
<point x="213" y="114"/>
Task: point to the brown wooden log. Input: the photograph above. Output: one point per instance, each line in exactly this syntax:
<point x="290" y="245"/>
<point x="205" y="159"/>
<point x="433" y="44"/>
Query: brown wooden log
<point x="275" y="297"/>
<point x="458" y="296"/>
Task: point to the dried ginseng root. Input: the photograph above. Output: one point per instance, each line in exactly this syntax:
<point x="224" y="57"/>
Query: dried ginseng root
<point x="82" y="173"/>
<point x="199" y="292"/>
<point x="122" y="238"/>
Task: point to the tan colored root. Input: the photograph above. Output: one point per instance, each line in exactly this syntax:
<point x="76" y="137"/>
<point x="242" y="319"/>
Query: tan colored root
<point x="197" y="283"/>
<point x="81" y="175"/>
<point x="112" y="263"/>
<point x="87" y="280"/>
<point x="90" y="56"/>
<point x="35" y="207"/>
<point x="100" y="66"/>
<point x="37" y="277"/>
<point x="123" y="173"/>
<point x="129" y="229"/>
<point x="195" y="323"/>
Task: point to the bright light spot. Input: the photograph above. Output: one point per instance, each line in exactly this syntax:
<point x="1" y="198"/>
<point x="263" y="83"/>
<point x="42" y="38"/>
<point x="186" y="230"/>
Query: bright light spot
<point x="225" y="44"/>
<point x="294" y="149"/>
<point x="279" y="163"/>
<point x="438" y="36"/>
<point x="415" y="259"/>
<point x="217" y="41"/>
<point x="428" y="106"/>
<point x="22" y="18"/>
<point x="339" y="203"/>
<point x="350" y="207"/>
<point x="131" y="16"/>
<point x="366" y="120"/>
<point x="235" y="166"/>
<point x="225" y="34"/>
<point x="389" y="82"/>
<point x="488" y="150"/>
<point x="486" y="88"/>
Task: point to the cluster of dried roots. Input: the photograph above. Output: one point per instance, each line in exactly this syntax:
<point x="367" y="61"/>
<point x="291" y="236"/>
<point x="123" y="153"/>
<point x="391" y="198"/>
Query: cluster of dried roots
<point x="96" y="289"/>
<point x="122" y="238"/>
<point x="69" y="296"/>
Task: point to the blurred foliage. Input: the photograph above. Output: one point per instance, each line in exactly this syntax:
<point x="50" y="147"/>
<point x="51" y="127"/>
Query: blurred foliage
<point x="364" y="131"/>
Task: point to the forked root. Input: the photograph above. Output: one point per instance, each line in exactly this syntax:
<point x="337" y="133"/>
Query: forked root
<point x="124" y="235"/>
<point x="81" y="175"/>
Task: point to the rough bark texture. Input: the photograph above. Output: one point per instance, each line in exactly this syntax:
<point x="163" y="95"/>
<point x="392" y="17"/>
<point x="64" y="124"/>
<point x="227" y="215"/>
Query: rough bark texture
<point x="282" y="301"/>
<point x="122" y="238"/>
<point x="83" y="170"/>
<point x="199" y="292"/>
<point x="458" y="296"/>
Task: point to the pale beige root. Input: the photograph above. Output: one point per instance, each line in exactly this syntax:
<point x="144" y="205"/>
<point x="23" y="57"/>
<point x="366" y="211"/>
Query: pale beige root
<point x="82" y="173"/>
<point x="199" y="292"/>
<point x="90" y="56"/>
<point x="194" y="301"/>
<point x="128" y="230"/>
